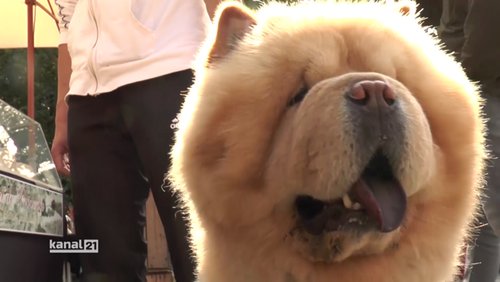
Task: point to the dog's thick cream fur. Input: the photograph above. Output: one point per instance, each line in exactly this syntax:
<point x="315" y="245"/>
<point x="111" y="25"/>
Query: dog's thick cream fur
<point x="243" y="154"/>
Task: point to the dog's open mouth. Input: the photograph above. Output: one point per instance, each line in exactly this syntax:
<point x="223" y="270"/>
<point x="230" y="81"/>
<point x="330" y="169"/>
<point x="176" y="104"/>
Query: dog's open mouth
<point x="376" y="200"/>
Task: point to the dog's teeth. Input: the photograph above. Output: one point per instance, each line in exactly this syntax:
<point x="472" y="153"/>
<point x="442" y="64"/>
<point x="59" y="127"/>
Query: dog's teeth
<point x="356" y="206"/>
<point x="347" y="201"/>
<point x="353" y="220"/>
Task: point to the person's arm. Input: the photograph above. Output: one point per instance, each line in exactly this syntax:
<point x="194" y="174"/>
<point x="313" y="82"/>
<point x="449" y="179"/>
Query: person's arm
<point x="66" y="9"/>
<point x="60" y="149"/>
<point x="212" y="6"/>
<point x="60" y="142"/>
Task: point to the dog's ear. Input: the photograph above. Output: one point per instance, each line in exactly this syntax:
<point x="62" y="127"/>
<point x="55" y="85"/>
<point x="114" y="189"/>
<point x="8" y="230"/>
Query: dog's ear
<point x="233" y="21"/>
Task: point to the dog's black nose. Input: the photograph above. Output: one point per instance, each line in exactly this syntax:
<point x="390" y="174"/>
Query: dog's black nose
<point x="375" y="116"/>
<point x="372" y="94"/>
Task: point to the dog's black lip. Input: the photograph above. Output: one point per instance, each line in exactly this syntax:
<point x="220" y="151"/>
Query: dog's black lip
<point x="317" y="216"/>
<point x="308" y="207"/>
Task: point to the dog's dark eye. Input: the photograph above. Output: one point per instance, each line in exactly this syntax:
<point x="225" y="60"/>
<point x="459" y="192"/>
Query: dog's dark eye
<point x="298" y="97"/>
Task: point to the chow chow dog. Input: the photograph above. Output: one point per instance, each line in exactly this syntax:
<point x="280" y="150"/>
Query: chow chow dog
<point x="329" y="141"/>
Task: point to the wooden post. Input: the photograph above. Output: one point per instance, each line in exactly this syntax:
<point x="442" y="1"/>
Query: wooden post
<point x="30" y="69"/>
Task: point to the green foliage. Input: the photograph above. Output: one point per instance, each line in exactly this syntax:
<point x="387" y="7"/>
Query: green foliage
<point x="13" y="84"/>
<point x="13" y="87"/>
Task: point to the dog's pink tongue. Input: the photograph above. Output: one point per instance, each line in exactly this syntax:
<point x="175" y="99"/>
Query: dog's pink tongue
<point x="385" y="200"/>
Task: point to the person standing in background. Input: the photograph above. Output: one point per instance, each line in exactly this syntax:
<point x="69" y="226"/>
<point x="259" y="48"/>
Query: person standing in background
<point x="121" y="69"/>
<point x="471" y="29"/>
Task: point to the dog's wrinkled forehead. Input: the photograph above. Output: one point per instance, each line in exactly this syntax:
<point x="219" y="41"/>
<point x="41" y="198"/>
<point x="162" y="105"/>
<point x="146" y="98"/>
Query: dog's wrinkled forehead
<point x="234" y="21"/>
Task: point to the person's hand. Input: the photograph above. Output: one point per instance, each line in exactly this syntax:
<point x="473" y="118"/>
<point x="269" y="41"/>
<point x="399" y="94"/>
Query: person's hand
<point x="60" y="149"/>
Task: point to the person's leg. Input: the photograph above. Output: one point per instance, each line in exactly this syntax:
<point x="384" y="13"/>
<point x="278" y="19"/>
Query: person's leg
<point x="486" y="253"/>
<point x="109" y="192"/>
<point x="149" y="109"/>
<point x="485" y="257"/>
<point x="491" y="200"/>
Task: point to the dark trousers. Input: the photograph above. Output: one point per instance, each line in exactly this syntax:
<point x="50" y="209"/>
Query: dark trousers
<point x="485" y="258"/>
<point x="119" y="146"/>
